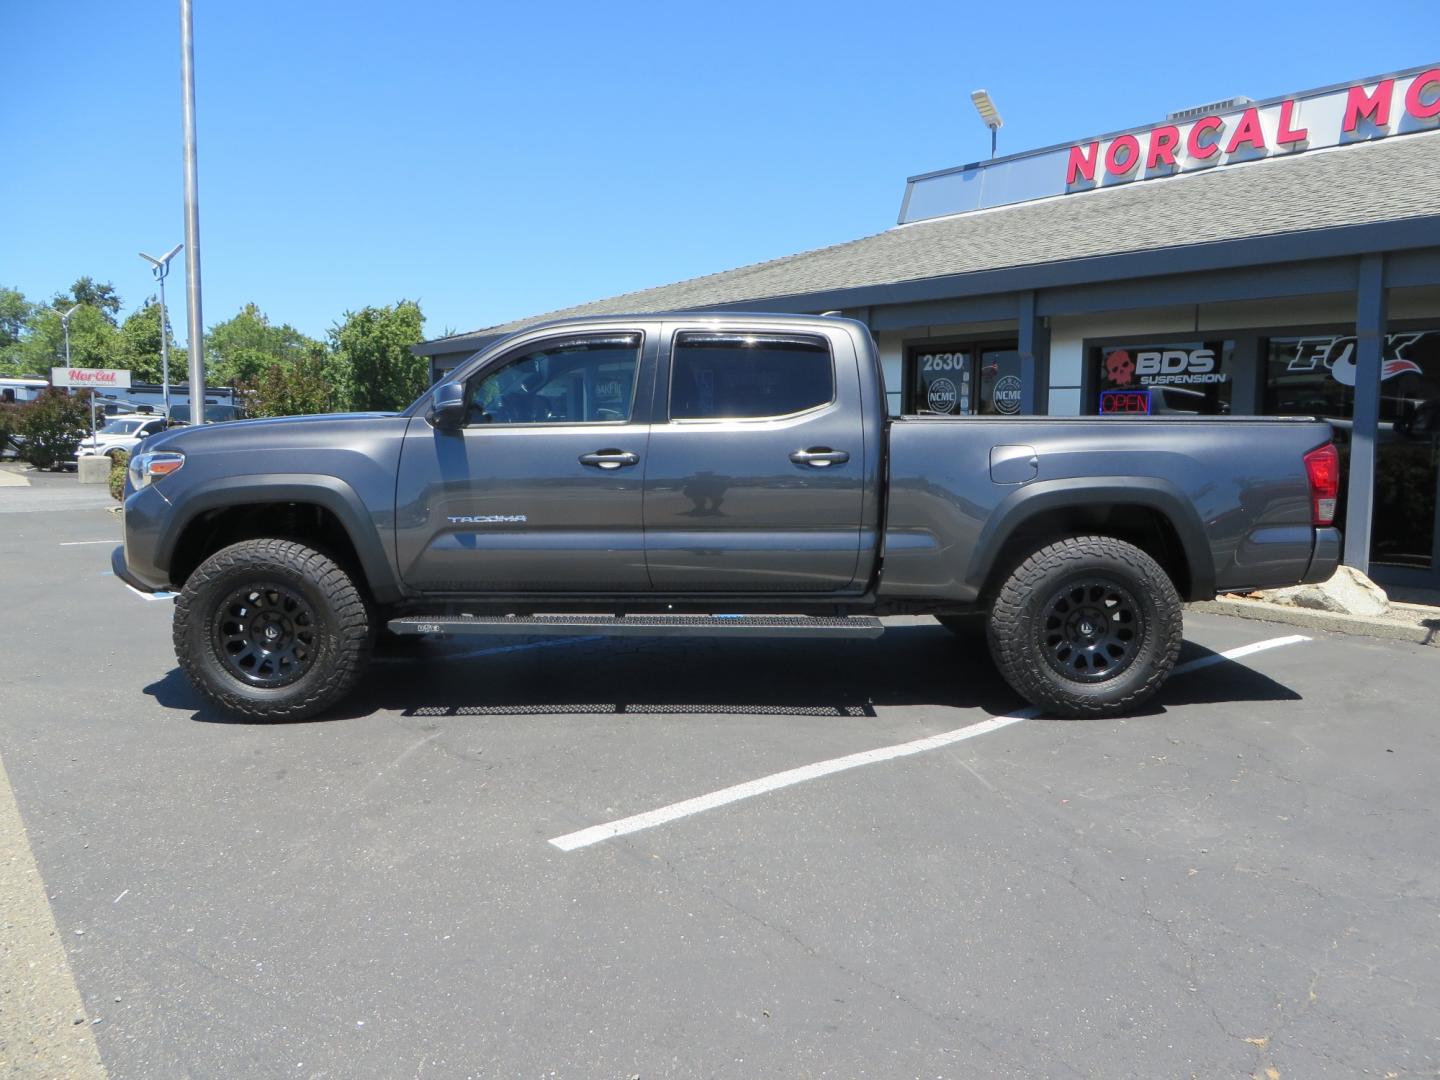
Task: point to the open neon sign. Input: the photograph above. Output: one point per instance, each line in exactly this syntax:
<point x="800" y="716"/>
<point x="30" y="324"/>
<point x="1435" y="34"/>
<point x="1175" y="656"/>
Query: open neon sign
<point x="1125" y="403"/>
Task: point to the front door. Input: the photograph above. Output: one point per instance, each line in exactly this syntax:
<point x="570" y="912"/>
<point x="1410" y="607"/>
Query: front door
<point x="756" y="482"/>
<point x="541" y="489"/>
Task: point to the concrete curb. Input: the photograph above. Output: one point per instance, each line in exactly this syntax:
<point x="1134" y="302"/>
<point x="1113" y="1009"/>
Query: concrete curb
<point x="1412" y="630"/>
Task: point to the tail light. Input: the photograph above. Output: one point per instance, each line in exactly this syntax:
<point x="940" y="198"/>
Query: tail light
<point x="1322" y="465"/>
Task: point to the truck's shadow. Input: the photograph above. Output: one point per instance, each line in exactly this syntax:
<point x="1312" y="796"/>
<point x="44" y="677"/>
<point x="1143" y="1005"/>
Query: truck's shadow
<point x="920" y="665"/>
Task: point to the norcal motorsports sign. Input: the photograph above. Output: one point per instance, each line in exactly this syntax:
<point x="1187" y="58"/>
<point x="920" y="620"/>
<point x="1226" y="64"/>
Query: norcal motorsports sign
<point x="1225" y="133"/>
<point x="1226" y="136"/>
<point x="95" y="378"/>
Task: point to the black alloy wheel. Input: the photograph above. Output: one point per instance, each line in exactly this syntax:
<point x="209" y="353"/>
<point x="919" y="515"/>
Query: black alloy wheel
<point x="266" y="634"/>
<point x="1091" y="629"/>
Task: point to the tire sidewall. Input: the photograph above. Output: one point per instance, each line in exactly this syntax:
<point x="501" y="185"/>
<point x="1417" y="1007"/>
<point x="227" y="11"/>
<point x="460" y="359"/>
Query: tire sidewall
<point x="1019" y="645"/>
<point x="199" y="651"/>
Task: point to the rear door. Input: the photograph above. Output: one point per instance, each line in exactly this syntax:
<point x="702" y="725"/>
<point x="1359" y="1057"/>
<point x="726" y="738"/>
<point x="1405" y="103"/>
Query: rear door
<point x="755" y="478"/>
<point x="541" y="490"/>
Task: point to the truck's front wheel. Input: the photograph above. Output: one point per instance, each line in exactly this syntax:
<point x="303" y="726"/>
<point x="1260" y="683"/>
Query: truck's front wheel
<point x="1086" y="627"/>
<point x="271" y="630"/>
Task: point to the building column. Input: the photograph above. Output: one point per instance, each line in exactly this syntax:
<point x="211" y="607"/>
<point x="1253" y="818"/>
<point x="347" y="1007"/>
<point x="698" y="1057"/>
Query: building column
<point x="1369" y="350"/>
<point x="1034" y="349"/>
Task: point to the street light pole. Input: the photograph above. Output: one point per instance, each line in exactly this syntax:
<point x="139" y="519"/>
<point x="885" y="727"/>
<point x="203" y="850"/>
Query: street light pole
<point x="160" y="267"/>
<point x="989" y="115"/>
<point x="195" y="323"/>
<point x="65" y="324"/>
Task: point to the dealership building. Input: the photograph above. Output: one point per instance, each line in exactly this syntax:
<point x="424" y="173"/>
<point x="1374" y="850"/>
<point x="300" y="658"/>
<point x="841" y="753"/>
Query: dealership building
<point x="1274" y="257"/>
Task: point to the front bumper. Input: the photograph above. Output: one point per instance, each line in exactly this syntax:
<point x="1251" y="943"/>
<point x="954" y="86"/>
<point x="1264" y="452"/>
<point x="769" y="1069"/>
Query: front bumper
<point x="136" y="563"/>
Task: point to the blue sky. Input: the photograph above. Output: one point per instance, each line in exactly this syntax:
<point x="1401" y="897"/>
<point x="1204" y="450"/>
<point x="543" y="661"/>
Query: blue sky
<point x="501" y="160"/>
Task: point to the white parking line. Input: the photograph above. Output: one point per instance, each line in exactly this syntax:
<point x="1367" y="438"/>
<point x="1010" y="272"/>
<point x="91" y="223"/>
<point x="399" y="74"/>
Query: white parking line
<point x="790" y="777"/>
<point x="82" y="543"/>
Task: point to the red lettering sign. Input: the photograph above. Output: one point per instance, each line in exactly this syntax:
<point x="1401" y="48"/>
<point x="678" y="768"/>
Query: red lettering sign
<point x="1113" y="164"/>
<point x="1289" y="134"/>
<point x="1375" y="105"/>
<point x="1193" y="144"/>
<point x="1082" y="163"/>
<point x="1163" y="141"/>
<point x="1248" y="131"/>
<point x="1415" y="103"/>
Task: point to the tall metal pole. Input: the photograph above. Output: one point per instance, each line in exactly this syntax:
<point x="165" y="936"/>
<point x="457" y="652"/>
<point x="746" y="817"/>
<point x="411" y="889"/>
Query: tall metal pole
<point x="164" y="344"/>
<point x="195" y="322"/>
<point x="65" y="322"/>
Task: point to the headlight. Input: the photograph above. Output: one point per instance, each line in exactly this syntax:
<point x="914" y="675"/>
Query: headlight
<point x="151" y="466"/>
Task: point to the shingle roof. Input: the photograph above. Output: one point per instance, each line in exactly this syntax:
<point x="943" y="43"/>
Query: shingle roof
<point x="1386" y="180"/>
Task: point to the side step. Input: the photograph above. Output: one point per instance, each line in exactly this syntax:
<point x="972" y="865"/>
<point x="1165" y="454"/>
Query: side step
<point x="855" y="626"/>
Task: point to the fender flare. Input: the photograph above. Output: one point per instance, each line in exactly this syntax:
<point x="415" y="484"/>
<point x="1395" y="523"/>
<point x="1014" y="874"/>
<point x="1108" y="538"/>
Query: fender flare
<point x="329" y="492"/>
<point x="1040" y="497"/>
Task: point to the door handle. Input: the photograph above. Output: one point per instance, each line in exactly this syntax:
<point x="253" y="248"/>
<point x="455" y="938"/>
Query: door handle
<point x="819" y="457"/>
<point x="610" y="459"/>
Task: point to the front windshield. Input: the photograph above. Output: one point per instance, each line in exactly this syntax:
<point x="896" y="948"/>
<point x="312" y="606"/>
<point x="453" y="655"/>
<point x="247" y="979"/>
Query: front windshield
<point x="121" y="427"/>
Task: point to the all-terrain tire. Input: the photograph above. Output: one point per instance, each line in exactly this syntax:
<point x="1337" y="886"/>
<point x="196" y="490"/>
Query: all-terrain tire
<point x="1040" y="623"/>
<point x="298" y="588"/>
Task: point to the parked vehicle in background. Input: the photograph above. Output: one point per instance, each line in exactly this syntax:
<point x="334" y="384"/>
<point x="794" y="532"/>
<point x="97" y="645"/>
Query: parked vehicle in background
<point x="19" y="390"/>
<point x="711" y="474"/>
<point x="120" y="433"/>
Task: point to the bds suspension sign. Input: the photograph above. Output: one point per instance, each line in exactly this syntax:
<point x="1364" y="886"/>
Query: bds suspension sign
<point x="94" y="378"/>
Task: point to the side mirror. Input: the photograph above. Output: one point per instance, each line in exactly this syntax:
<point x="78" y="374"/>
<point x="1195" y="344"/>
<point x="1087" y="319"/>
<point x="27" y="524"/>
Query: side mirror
<point x="447" y="406"/>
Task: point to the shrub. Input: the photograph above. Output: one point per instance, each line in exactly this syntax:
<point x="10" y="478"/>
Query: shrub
<point x="119" y="462"/>
<point x="53" y="425"/>
<point x="11" y="414"/>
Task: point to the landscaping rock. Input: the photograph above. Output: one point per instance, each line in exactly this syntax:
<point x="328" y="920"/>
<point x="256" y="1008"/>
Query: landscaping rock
<point x="1348" y="592"/>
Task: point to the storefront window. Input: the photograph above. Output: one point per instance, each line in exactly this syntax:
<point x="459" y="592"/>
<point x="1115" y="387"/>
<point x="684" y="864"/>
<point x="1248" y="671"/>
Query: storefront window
<point x="1187" y="377"/>
<point x="965" y="380"/>
<point x="1315" y="375"/>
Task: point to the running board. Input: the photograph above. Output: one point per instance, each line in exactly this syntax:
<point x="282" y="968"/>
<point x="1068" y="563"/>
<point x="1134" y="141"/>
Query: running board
<point x="855" y="626"/>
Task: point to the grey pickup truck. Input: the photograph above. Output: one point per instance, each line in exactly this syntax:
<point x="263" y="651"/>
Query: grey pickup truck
<point x="708" y="474"/>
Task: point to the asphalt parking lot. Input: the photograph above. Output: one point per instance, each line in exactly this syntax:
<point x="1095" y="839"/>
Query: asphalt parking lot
<point x="1242" y="881"/>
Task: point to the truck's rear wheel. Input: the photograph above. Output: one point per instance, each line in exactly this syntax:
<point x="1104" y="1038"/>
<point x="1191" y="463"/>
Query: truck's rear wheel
<point x="271" y="630"/>
<point x="1086" y="627"/>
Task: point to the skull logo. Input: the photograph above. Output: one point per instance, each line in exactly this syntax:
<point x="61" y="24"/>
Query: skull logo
<point x="1119" y="368"/>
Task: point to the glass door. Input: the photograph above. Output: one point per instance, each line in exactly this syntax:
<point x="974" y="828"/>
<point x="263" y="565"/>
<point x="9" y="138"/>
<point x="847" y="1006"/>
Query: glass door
<point x="1315" y="375"/>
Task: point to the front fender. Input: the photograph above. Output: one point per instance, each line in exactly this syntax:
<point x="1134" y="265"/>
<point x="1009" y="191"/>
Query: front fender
<point x="330" y="492"/>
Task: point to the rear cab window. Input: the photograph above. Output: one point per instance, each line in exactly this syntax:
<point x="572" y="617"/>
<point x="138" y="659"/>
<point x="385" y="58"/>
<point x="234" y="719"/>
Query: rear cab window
<point x="748" y="376"/>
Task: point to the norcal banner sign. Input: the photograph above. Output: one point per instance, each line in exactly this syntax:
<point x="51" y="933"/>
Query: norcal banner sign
<point x="1223" y="136"/>
<point x="95" y="378"/>
<point x="1224" y="133"/>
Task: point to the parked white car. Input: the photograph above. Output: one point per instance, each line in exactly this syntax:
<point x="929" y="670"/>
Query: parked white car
<point x="120" y="433"/>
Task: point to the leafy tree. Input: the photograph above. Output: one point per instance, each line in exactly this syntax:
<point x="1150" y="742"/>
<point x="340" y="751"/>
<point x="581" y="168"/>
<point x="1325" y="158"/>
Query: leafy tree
<point x="137" y="346"/>
<point x="100" y="295"/>
<point x="300" y="388"/>
<point x="373" y="346"/>
<point x="242" y="348"/>
<point x="92" y="340"/>
<point x="53" y="425"/>
<point x="15" y="311"/>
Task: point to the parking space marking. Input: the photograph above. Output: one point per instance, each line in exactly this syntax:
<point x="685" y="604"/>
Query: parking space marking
<point x="44" y="1028"/>
<point x="790" y="777"/>
<point x="82" y="543"/>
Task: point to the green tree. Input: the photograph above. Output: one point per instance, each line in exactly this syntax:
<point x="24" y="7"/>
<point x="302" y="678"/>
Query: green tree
<point x="100" y="295"/>
<point x="15" y="314"/>
<point x="92" y="340"/>
<point x="240" y="349"/>
<point x="373" y="347"/>
<point x="303" y="387"/>
<point x="137" y="346"/>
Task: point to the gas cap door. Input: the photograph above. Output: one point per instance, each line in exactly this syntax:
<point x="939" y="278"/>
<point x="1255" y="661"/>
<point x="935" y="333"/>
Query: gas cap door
<point x="1013" y="464"/>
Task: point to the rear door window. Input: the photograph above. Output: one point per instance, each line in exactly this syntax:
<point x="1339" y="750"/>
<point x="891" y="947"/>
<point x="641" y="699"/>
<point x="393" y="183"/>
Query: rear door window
<point x="736" y="376"/>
